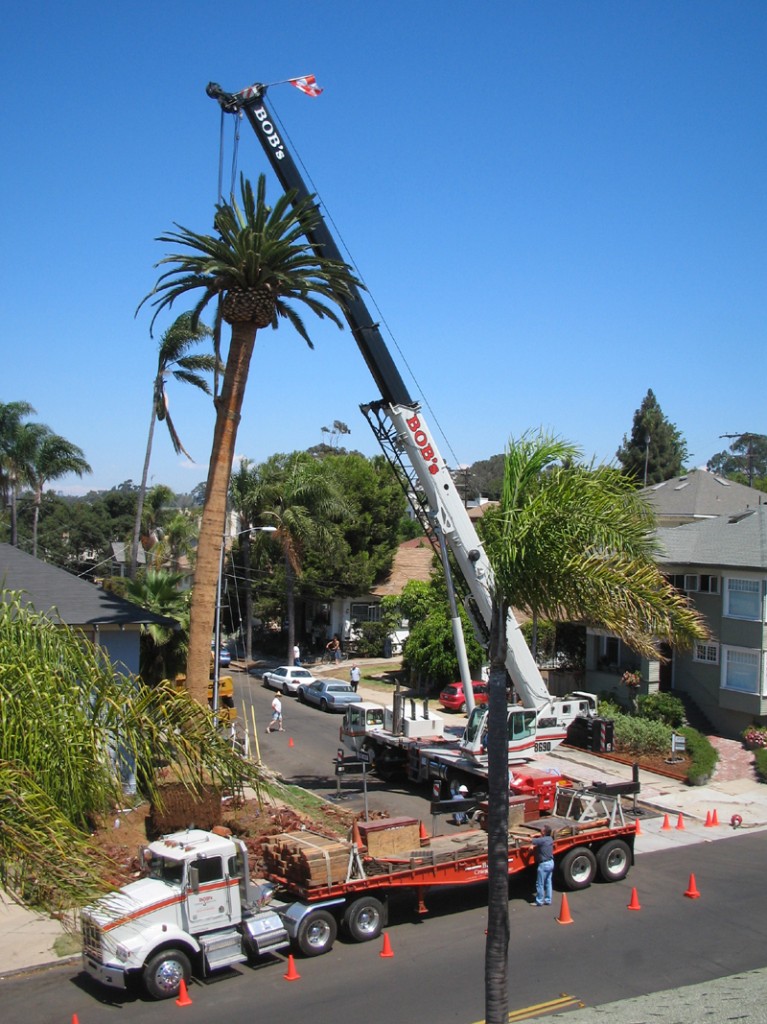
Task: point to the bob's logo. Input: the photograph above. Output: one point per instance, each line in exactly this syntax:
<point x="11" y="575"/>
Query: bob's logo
<point x="269" y="131"/>
<point x="425" y="447"/>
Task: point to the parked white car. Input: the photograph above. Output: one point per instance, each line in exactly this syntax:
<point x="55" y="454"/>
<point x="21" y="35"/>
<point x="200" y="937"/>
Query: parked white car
<point x="287" y="678"/>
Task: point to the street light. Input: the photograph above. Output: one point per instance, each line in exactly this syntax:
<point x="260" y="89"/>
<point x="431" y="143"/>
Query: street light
<point x="217" y="632"/>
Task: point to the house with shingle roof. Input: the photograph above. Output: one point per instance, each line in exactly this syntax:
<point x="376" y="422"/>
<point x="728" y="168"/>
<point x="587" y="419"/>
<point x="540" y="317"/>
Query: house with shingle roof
<point x="720" y="563"/>
<point x="109" y="621"/>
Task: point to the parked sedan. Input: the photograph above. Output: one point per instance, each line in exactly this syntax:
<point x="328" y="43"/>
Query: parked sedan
<point x="287" y="678"/>
<point x="453" y="698"/>
<point x="328" y="694"/>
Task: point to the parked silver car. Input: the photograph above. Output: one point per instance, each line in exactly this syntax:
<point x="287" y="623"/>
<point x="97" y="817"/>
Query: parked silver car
<point x="328" y="694"/>
<point x="287" y="678"/>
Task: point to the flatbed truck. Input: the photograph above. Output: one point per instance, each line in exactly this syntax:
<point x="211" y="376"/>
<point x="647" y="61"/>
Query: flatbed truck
<point x="197" y="910"/>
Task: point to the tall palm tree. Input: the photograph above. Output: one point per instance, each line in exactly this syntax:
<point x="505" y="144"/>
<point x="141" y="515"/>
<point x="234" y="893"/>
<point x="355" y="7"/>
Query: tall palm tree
<point x="257" y="265"/>
<point x="174" y="361"/>
<point x="54" y="458"/>
<point x="14" y="444"/>
<point x="297" y="496"/>
<point x="571" y="542"/>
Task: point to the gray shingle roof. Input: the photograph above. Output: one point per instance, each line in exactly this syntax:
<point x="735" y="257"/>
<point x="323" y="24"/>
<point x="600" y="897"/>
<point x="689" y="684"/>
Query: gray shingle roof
<point x="736" y="541"/>
<point x="700" y="495"/>
<point x="66" y="597"/>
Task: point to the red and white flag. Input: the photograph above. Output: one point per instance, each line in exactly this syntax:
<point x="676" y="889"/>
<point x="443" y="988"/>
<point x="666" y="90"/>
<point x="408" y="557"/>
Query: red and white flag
<point x="307" y="84"/>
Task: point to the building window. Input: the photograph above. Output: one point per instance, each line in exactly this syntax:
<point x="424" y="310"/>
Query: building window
<point x="706" y="652"/>
<point x="740" y="670"/>
<point x="709" y="584"/>
<point x="366" y="612"/>
<point x="743" y="599"/>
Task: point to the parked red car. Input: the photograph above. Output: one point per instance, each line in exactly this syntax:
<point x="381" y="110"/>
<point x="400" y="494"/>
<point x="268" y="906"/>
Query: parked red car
<point x="453" y="698"/>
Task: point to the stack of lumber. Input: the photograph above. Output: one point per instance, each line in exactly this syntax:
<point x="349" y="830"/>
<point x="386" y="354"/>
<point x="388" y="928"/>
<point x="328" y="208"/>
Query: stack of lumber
<point x="306" y="859"/>
<point x="390" y="836"/>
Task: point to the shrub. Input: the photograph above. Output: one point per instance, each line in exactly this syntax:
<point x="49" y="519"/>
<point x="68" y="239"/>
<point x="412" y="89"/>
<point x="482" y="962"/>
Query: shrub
<point x="662" y="707"/>
<point x="370" y="639"/>
<point x="703" y="756"/>
<point x="607" y="708"/>
<point x="641" y="736"/>
<point x="760" y="760"/>
<point x="754" y="737"/>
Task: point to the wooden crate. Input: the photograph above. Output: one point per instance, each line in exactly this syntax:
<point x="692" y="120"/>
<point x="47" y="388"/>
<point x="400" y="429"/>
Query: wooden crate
<point x="390" y="835"/>
<point x="306" y="858"/>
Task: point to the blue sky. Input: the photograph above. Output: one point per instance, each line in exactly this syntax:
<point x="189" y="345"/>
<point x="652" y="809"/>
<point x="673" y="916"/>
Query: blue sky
<point x="555" y="206"/>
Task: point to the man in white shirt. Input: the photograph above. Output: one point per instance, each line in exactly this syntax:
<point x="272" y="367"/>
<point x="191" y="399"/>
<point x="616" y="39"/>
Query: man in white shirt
<point x="276" y="715"/>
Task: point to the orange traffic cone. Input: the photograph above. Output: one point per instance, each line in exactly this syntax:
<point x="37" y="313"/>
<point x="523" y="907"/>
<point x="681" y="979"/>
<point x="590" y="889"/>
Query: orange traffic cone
<point x="387" y="950"/>
<point x="564" y="912"/>
<point x="666" y="824"/>
<point x="423" y="835"/>
<point x="680" y="822"/>
<point x="637" y="827"/>
<point x="634" y="903"/>
<point x="74" y="1019"/>
<point x="290" y="742"/>
<point x="183" y="996"/>
<point x="292" y="974"/>
<point x="692" y="889"/>
<point x="714" y="817"/>
<point x="709" y="821"/>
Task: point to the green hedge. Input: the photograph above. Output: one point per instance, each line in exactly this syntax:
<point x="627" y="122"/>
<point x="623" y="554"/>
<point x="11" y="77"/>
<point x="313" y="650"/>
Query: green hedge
<point x="760" y="759"/>
<point x="662" y="707"/>
<point x="703" y="755"/>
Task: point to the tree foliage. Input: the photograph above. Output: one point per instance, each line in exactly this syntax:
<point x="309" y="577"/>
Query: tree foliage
<point x="429" y="651"/>
<point x="72" y="732"/>
<point x="745" y="461"/>
<point x="654" y="442"/>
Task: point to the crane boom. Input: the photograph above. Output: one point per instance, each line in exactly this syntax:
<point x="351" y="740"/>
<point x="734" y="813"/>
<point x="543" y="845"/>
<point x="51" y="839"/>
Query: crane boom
<point x="396" y="419"/>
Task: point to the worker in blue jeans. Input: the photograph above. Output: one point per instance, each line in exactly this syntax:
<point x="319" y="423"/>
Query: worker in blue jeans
<point x="544" y="858"/>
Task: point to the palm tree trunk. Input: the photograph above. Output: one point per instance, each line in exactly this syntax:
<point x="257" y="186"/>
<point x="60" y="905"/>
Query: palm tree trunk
<point x="142" y="494"/>
<point x="497" y="945"/>
<point x="203" y="606"/>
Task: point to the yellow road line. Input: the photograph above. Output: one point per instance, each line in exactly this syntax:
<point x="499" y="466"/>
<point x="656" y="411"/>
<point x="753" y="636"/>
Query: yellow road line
<point x="564" y="1002"/>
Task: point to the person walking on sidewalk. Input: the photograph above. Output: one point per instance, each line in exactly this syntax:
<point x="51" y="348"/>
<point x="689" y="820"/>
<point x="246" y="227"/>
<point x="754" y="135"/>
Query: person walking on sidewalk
<point x="544" y="858"/>
<point x="354" y="677"/>
<point x="276" y="715"/>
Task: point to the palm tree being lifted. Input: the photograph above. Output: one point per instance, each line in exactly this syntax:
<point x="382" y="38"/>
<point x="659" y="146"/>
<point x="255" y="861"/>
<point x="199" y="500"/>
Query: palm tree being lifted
<point x="174" y="361"/>
<point x="260" y="260"/>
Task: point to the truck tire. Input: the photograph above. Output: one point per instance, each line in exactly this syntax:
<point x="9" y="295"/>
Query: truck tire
<point x="614" y="860"/>
<point x="164" y="972"/>
<point x="578" y="868"/>
<point x="317" y="933"/>
<point x="365" y="919"/>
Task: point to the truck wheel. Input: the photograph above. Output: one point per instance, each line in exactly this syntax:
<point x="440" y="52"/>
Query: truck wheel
<point x="317" y="933"/>
<point x="365" y="919"/>
<point x="164" y="972"/>
<point x="614" y="860"/>
<point x="578" y="868"/>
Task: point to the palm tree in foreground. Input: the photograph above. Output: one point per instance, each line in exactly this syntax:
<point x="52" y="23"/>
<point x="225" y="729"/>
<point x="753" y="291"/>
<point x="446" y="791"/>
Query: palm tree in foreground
<point x="575" y="543"/>
<point x="172" y="360"/>
<point x="258" y="264"/>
